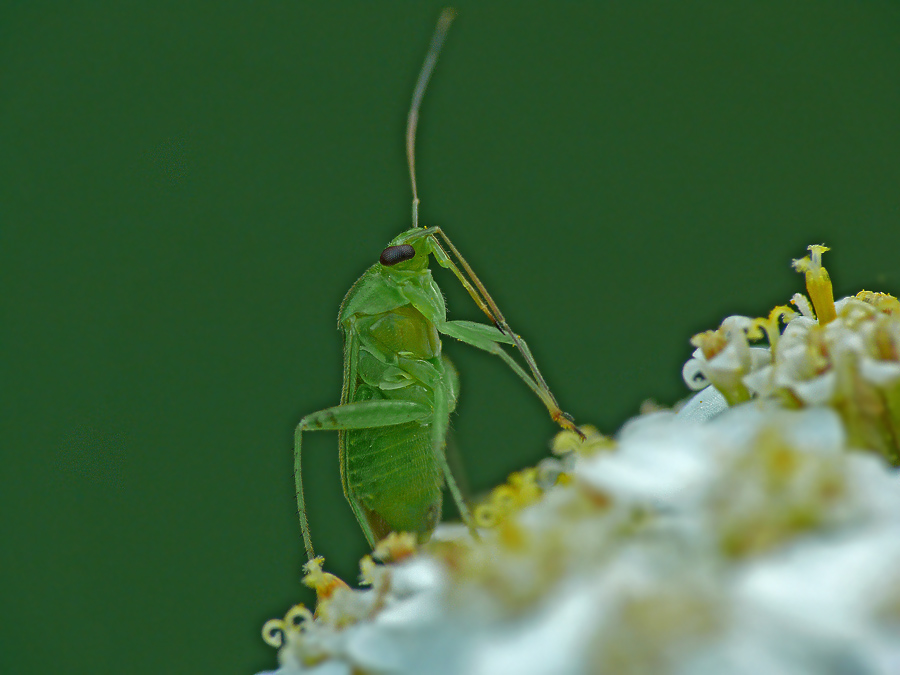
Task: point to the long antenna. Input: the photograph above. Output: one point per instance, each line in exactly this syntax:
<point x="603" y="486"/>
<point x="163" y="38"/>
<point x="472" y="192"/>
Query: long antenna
<point x="437" y="41"/>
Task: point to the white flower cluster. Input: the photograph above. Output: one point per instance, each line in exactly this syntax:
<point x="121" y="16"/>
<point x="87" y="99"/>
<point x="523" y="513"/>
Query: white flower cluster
<point x="844" y="354"/>
<point x="755" y="542"/>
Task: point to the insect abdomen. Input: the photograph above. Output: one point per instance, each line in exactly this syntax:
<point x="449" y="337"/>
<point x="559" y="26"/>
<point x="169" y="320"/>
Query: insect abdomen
<point x="393" y="475"/>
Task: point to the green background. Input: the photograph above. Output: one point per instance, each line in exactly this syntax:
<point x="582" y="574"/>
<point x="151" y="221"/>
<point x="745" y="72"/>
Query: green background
<point x="188" y="189"/>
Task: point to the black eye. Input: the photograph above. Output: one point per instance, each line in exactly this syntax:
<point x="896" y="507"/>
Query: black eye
<point x="396" y="254"/>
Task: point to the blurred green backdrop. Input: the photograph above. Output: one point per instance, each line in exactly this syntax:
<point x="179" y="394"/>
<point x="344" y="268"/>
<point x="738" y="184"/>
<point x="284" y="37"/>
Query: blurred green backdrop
<point x="188" y="189"/>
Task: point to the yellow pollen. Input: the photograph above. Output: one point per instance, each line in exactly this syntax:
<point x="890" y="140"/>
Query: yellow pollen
<point x="324" y="583"/>
<point x="883" y="302"/>
<point x="485" y="515"/>
<point x="818" y="284"/>
<point x="710" y="342"/>
<point x="511" y="535"/>
<point x="396" y="546"/>
<point x="567" y="441"/>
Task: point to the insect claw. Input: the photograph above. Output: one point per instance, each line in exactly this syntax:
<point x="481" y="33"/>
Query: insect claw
<point x="566" y="421"/>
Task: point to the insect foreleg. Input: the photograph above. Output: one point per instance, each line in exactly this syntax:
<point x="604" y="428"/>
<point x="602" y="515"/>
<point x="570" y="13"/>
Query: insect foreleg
<point x="488" y="338"/>
<point x="444" y="261"/>
<point x="362" y="415"/>
<point x="484" y="300"/>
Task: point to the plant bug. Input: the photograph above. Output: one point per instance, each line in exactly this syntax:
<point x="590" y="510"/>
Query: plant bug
<point x="399" y="389"/>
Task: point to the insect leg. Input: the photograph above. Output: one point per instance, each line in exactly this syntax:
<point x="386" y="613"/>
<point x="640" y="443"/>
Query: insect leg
<point x="489" y="338"/>
<point x="442" y="396"/>
<point x="362" y="415"/>
<point x="486" y="303"/>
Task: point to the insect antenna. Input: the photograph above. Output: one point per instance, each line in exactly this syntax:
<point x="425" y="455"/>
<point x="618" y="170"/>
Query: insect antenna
<point x="437" y="41"/>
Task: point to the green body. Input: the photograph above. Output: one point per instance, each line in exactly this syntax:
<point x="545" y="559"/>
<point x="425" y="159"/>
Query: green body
<point x="392" y="476"/>
<point x="399" y="390"/>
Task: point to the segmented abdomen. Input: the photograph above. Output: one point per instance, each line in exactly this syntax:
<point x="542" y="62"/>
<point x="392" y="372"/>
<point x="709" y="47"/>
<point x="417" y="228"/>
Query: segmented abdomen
<point x="394" y="476"/>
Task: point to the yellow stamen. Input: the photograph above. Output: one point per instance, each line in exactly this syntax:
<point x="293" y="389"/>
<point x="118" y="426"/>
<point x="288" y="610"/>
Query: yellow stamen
<point x="296" y="617"/>
<point x="324" y="583"/>
<point x="525" y="484"/>
<point x="485" y="515"/>
<point x="396" y="546"/>
<point x="710" y="342"/>
<point x="273" y="633"/>
<point x="511" y="535"/>
<point x="568" y="441"/>
<point x="367" y="570"/>
<point x="818" y="284"/>
<point x="883" y="302"/>
<point x="770" y="325"/>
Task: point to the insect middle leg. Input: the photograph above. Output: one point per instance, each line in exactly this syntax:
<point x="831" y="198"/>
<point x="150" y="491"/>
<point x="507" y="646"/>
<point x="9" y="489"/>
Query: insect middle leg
<point x="504" y="333"/>
<point x="361" y="415"/>
<point x="444" y="399"/>
<point x="489" y="339"/>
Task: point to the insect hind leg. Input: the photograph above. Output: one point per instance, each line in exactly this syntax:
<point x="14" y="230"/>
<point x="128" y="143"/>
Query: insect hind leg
<point x="363" y="415"/>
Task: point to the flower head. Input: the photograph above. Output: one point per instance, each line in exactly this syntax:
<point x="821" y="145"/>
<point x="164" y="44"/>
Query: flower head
<point x="841" y="354"/>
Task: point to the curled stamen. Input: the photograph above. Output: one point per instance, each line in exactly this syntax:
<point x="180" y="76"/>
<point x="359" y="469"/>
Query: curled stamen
<point x="503" y="499"/>
<point x="485" y="515"/>
<point x="296" y="618"/>
<point x="693" y="375"/>
<point x="770" y="324"/>
<point x="273" y="633"/>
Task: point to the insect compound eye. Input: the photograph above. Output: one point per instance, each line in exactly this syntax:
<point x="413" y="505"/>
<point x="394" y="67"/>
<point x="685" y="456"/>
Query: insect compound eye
<point x="396" y="254"/>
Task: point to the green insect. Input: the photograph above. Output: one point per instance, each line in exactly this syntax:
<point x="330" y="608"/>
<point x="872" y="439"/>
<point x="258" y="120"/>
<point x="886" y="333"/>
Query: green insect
<point x="399" y="389"/>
